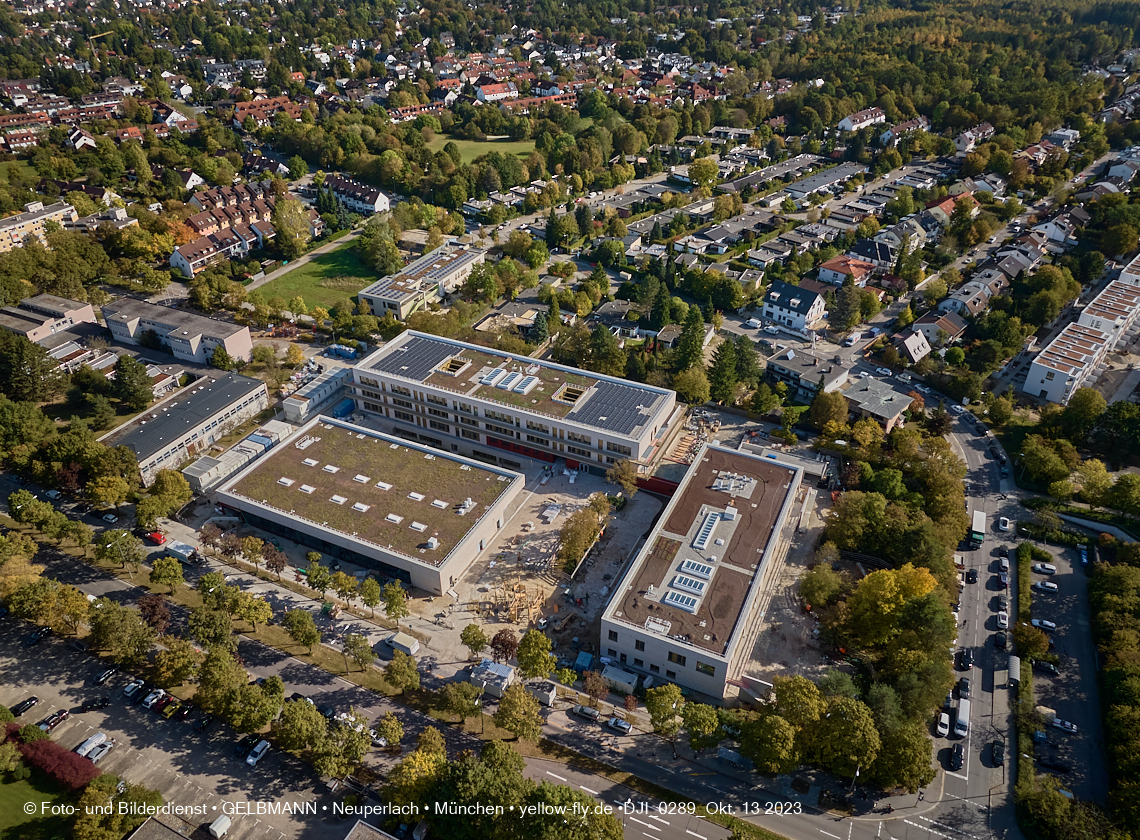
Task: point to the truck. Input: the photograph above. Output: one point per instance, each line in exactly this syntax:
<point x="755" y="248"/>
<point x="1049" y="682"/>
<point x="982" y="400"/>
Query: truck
<point x="978" y="529"/>
<point x="184" y="552"/>
<point x="403" y="642"/>
<point x="851" y="339"/>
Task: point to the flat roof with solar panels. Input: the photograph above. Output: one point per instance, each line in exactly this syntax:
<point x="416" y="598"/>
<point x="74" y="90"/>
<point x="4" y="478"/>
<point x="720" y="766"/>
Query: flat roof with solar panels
<point x="685" y="603"/>
<point x="454" y="378"/>
<point x="374" y="495"/>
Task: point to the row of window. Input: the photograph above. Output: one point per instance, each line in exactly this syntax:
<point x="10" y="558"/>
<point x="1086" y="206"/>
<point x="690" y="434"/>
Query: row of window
<point x="678" y="659"/>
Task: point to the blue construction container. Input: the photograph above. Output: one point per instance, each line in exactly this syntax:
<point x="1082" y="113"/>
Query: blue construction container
<point x="344" y="408"/>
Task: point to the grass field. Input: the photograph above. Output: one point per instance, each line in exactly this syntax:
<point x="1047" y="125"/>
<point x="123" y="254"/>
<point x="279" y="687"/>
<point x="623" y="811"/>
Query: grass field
<point x="14" y="823"/>
<point x="471" y="149"/>
<point x="340" y="269"/>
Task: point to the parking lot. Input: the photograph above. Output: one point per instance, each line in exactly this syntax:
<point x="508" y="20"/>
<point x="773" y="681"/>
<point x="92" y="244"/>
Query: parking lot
<point x="188" y="768"/>
<point x="1073" y="692"/>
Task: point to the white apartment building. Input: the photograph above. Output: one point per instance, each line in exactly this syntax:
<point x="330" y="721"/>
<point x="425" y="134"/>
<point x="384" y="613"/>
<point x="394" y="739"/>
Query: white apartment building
<point x="792" y="306"/>
<point x="685" y="610"/>
<point x="190" y="337"/>
<point x="357" y="197"/>
<point x="1066" y="363"/>
<point x="167" y="435"/>
<point x="862" y="119"/>
<point x="32" y="223"/>
<point x="422" y="282"/>
<point x="1114" y="311"/>
<point x="497" y="406"/>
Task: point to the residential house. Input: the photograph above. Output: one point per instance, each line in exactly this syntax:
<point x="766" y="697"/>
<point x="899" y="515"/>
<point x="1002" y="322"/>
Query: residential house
<point x="969" y="139"/>
<point x="862" y="119"/>
<point x="231" y="242"/>
<point x="80" y="138"/>
<point x="264" y="110"/>
<point x="912" y="345"/>
<point x="357" y="197"/>
<point x="942" y="209"/>
<point x="806" y="375"/>
<point x="881" y="255"/>
<point x="837" y="269"/>
<point x="793" y="307"/>
<point x="891" y="137"/>
<point x="1066" y="363"/>
<point x="973" y="296"/>
<point x="1062" y="228"/>
<point x="877" y="399"/>
<point x="940" y="327"/>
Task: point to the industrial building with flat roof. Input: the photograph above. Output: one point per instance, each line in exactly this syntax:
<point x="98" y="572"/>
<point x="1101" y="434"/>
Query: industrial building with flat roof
<point x="42" y="316"/>
<point x="165" y="436"/>
<point x="463" y="398"/>
<point x="190" y="337"/>
<point x="684" y="611"/>
<point x="422" y="282"/>
<point x="406" y="510"/>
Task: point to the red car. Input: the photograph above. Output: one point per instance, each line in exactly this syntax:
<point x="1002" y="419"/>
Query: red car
<point x="156" y="538"/>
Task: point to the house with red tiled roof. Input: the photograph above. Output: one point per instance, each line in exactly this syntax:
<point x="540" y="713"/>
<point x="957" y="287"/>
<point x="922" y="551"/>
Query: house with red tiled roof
<point x="838" y="269"/>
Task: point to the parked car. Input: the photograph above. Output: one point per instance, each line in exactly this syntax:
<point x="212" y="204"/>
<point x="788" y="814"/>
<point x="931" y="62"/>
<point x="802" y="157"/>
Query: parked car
<point x="1083" y="551"/>
<point x="1045" y="586"/>
<point x="152" y="699"/>
<point x="1003" y="551"/>
<point x="1047" y="667"/>
<point x="1045" y="568"/>
<point x="922" y="389"/>
<point x="132" y="688"/>
<point x="1054" y="766"/>
<point x="1003" y="620"/>
<point x="883" y="371"/>
<point x="1063" y="725"/>
<point x="53" y="720"/>
<point x="257" y="753"/>
<point x="97" y="703"/>
<point x="1004" y="471"/>
<point x="997" y="753"/>
<point x="972" y="576"/>
<point x="24" y="705"/>
<point x="942" y="728"/>
<point x="37" y="636"/>
<point x="105" y="675"/>
<point x="1001" y="640"/>
<point x="587" y="712"/>
<point x="377" y="739"/>
<point x="110" y="517"/>
<point x="1003" y="579"/>
<point x="965" y="660"/>
<point x="964" y="688"/>
<point x="172" y="708"/>
<point x="958" y="409"/>
<point x="1003" y="603"/>
<point x="155" y="538"/>
<point x="99" y="752"/>
<point x="957" y="757"/>
<point x="204" y="724"/>
<point x="246" y="745"/>
<point x="619" y="725"/>
<point x="1042" y="624"/>
<point x="772" y="330"/>
<point x="1003" y="523"/>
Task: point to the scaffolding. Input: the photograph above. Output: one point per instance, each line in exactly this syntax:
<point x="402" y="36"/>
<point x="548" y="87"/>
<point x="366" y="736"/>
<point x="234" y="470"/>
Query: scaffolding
<point x="517" y="601"/>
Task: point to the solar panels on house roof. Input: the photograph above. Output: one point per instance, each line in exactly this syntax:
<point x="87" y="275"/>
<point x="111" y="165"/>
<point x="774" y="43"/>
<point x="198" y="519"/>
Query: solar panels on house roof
<point x="614" y="407"/>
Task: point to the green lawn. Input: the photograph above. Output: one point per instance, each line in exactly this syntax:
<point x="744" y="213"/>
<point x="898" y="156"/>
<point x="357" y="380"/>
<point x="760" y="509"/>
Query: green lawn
<point x="14" y="823"/>
<point x="471" y="149"/>
<point x="341" y="272"/>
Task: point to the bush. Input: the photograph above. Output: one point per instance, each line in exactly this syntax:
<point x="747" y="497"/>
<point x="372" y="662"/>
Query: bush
<point x="6" y="715"/>
<point x="62" y="766"/>
<point x="30" y="733"/>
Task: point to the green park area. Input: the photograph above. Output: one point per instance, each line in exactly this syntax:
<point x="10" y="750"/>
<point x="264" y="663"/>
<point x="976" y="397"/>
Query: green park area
<point x="325" y="279"/>
<point x="471" y="149"/>
<point x="16" y="823"/>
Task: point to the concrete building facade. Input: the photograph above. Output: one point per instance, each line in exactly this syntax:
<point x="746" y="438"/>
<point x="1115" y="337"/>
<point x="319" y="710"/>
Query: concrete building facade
<point x="190" y="337"/>
<point x="422" y="282"/>
<point x="1066" y="363"/>
<point x="40" y="317"/>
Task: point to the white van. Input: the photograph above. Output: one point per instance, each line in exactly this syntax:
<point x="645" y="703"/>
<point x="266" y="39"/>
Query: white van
<point x="220" y="826"/>
<point x="90" y="744"/>
<point x="752" y="323"/>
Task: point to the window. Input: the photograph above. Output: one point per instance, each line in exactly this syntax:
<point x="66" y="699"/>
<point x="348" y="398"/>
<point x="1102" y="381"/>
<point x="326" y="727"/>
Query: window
<point x="538" y="440"/>
<point x="403" y="415"/>
<point x="403" y="403"/>
<point x="671" y="675"/>
<point x="399" y="389"/>
<point x="468" y="421"/>
<point x="1050" y="375"/>
<point x="639" y="645"/>
<point x="708" y="670"/>
<point x="365" y="380"/>
<point x="469" y="434"/>
<point x="491" y="427"/>
<point x="586" y="439"/>
<point x="439" y="427"/>
<point x="637" y="663"/>
<point x="432" y="398"/>
<point x="611" y="652"/>
<point x="613" y="635"/>
<point x="655" y="669"/>
<point x="537" y="427"/>
<point x="465" y="407"/>
<point x="496" y="415"/>
<point x="574" y="450"/>
<point x="617" y="447"/>
<point x="435" y="412"/>
<point x="676" y="659"/>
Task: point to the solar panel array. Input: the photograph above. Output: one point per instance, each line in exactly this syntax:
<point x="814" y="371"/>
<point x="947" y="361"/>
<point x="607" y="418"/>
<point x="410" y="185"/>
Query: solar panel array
<point x="415" y="359"/>
<point x="615" y="408"/>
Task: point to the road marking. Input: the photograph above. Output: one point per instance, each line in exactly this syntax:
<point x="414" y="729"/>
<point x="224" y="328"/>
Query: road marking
<point x="829" y="834"/>
<point x="968" y="801"/>
<point x="556" y="776"/>
<point x="647" y="825"/>
<point x="660" y="820"/>
<point x="949" y="828"/>
<point x="958" y="776"/>
<point x="699" y="836"/>
<point x="592" y="792"/>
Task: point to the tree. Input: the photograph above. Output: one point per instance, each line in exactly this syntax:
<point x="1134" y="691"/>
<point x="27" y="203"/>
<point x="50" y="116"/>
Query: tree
<point x="764" y="401"/>
<point x="690" y="347"/>
<point x="211" y="628"/>
<point x="320" y="577"/>
<point x="120" y="546"/>
<point x="121" y="630"/>
<point x="155" y="612"/>
<point x="846" y="738"/>
<point x="345" y="586"/>
<point x="905" y="758"/>
<point x="703" y="172"/>
<point x="300" y="727"/>
<point x="395" y="602"/>
<point x="828" y="407"/>
<point x="252" y="609"/>
<point x="356" y="648"/>
<point x="474" y="639"/>
<point x="461" y="699"/>
<point x="771" y="743"/>
<point x="1081" y="413"/>
<point x="291" y="221"/>
<point x="219" y="676"/>
<point x="391" y="730"/>
<point x="821" y="585"/>
<point x="132" y="385"/>
<point x="505" y="645"/>
<point x="167" y="571"/>
<point x="275" y="559"/>
<point x="301" y="628"/>
<point x="250" y="707"/>
<point x="402" y="673"/>
<point x="703" y="724"/>
<point x="108" y="490"/>
<point x="1001" y="412"/>
<point x="624" y="473"/>
<point x="597" y="687"/>
<point x="297" y="167"/>
<point x="251" y="549"/>
<point x="692" y="386"/>
<point x="519" y="713"/>
<point x="176" y="662"/>
<point x="722" y="373"/>
<point x="534" y="656"/>
<point x="371" y="593"/>
<point x="665" y="704"/>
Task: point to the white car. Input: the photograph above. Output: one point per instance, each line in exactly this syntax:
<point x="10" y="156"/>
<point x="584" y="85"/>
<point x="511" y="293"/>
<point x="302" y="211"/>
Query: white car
<point x="864" y="375"/>
<point x="772" y="330"/>
<point x="1045" y="568"/>
<point x="1045" y="586"/>
<point x="110" y="517"/>
<point x="1064" y="725"/>
<point x="257" y="753"/>
<point x="958" y="409"/>
<point x="1003" y="621"/>
<point x="753" y="323"/>
<point x="922" y="389"/>
<point x="153" y="698"/>
<point x="1003" y="524"/>
<point x="883" y="371"/>
<point x="619" y="725"/>
<point x="943" y="727"/>
<point x="1042" y="624"/>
